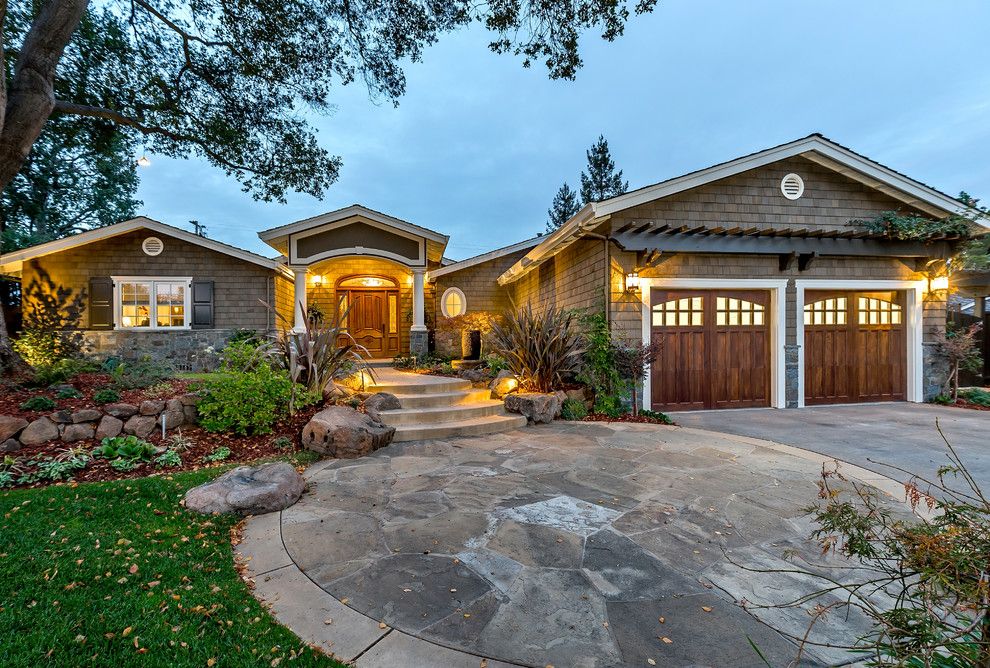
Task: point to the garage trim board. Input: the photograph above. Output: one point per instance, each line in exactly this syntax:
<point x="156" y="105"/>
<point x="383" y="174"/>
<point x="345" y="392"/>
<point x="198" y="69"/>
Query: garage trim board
<point x="775" y="312"/>
<point x="913" y="309"/>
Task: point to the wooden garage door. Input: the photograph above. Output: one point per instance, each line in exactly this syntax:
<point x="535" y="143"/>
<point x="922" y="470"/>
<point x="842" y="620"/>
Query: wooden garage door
<point x="855" y="347"/>
<point x="715" y="349"/>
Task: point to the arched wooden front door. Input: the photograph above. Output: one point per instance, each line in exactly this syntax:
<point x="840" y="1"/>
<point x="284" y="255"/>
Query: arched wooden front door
<point x="372" y="317"/>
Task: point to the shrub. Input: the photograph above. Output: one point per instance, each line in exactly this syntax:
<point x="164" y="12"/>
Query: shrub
<point x="975" y="395"/>
<point x="106" y="395"/>
<point x="38" y="403"/>
<point x="245" y="336"/>
<point x="141" y="373"/>
<point x="960" y="348"/>
<point x="249" y="403"/>
<point x="61" y="466"/>
<point x="494" y="363"/>
<point x="405" y="362"/>
<point x="282" y="443"/>
<point x="218" y="455"/>
<point x="631" y="363"/>
<point x="168" y="458"/>
<point x="129" y="448"/>
<point x="598" y="368"/>
<point x="656" y="415"/>
<point x="540" y="349"/>
<point x="61" y="371"/>
<point x="68" y="393"/>
<point x="248" y="355"/>
<point x="610" y="405"/>
<point x="573" y="410"/>
<point x="52" y="315"/>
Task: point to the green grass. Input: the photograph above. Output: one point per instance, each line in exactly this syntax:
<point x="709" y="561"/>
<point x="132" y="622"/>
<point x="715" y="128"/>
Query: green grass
<point x="197" y="375"/>
<point x="118" y="574"/>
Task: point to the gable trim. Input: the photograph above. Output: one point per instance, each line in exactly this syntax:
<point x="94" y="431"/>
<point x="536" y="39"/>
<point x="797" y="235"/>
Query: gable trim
<point x="419" y="261"/>
<point x="347" y="212"/>
<point x="484" y="257"/>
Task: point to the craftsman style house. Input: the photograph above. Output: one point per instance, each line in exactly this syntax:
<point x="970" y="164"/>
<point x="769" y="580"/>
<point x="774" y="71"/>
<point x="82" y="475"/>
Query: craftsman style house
<point x="753" y="273"/>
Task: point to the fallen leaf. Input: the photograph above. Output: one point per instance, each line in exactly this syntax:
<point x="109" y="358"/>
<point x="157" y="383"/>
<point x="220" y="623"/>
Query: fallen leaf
<point x="328" y="621"/>
<point x="661" y="620"/>
<point x="133" y="569"/>
<point x="651" y="662"/>
<point x="667" y="640"/>
<point x="344" y="600"/>
<point x="382" y="625"/>
<point x="211" y="662"/>
<point x="127" y="631"/>
<point x="706" y="608"/>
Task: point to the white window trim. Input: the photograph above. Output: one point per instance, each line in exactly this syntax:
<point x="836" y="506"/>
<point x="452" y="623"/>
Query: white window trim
<point x="914" y="321"/>
<point x="443" y="301"/>
<point x="186" y="306"/>
<point x="777" y="312"/>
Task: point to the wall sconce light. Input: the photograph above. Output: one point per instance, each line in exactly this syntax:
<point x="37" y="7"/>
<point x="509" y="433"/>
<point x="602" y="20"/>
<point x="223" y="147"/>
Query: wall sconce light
<point x="938" y="283"/>
<point x="317" y="281"/>
<point x="632" y="282"/>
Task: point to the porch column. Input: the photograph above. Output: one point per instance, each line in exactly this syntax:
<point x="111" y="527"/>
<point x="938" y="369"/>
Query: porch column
<point x="299" y="321"/>
<point x="418" y="337"/>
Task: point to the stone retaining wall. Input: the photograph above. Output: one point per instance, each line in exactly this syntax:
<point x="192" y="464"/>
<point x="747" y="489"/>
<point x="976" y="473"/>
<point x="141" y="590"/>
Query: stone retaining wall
<point x="185" y="349"/>
<point x="98" y="423"/>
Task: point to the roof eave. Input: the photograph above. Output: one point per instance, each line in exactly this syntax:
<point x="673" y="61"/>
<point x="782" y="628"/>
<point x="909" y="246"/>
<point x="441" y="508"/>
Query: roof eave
<point x="563" y="236"/>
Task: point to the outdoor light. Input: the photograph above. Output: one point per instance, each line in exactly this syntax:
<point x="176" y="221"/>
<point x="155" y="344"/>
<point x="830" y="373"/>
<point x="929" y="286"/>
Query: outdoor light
<point x="318" y="280"/>
<point x="143" y="161"/>
<point x="632" y="282"/>
<point x="938" y="283"/>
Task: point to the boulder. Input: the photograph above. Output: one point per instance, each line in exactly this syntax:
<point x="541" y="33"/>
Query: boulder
<point x="11" y="426"/>
<point x="61" y="417"/>
<point x="40" y="431"/>
<point x="191" y="413"/>
<point x="537" y="407"/>
<point x="140" y="425"/>
<point x="86" y="415"/>
<point x="561" y="398"/>
<point x="151" y="407"/>
<point x="504" y="383"/>
<point x="189" y="399"/>
<point x="78" y="432"/>
<point x="473" y="375"/>
<point x="121" y="410"/>
<point x="10" y="445"/>
<point x="173" y="415"/>
<point x="381" y="401"/>
<point x="249" y="490"/>
<point x="340" y="431"/>
<point x="109" y="427"/>
<point x="335" y="392"/>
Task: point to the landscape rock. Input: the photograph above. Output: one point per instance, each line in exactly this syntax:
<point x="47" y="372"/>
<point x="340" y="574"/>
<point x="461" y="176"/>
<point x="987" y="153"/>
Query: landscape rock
<point x="191" y="413"/>
<point x="503" y="384"/>
<point x="151" y="407"/>
<point x="189" y="399"/>
<point x="561" y="398"/>
<point x="11" y="426"/>
<point x="61" y="417"/>
<point x="537" y="407"/>
<point x="473" y="375"/>
<point x="339" y="431"/>
<point x="140" y="425"/>
<point x="381" y="401"/>
<point x="40" y="431"/>
<point x="121" y="410"/>
<point x="335" y="392"/>
<point x="62" y="387"/>
<point x="174" y="414"/>
<point x="249" y="490"/>
<point x="109" y="427"/>
<point x="78" y="432"/>
<point x="86" y="415"/>
<point x="10" y="445"/>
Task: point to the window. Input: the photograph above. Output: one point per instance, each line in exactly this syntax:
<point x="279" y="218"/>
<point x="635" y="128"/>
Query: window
<point x="732" y="312"/>
<point x="831" y="311"/>
<point x="151" y="303"/>
<point x="685" y="312"/>
<point x="453" y="303"/>
<point x="873" y="311"/>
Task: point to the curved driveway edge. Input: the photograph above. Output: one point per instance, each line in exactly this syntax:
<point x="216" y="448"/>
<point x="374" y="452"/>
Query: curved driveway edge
<point x="322" y="620"/>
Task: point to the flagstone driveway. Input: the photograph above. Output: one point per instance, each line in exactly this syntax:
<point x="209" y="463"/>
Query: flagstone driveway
<point x="573" y="544"/>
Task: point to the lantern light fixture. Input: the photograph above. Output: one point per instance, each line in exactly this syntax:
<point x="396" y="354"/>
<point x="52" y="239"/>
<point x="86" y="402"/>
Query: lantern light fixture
<point x="632" y="282"/>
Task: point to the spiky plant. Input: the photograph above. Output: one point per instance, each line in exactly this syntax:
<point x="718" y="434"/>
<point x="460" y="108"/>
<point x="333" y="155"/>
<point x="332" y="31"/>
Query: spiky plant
<point x="540" y="348"/>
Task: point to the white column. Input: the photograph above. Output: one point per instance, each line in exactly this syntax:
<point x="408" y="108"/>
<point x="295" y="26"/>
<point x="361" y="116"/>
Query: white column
<point x="419" y="302"/>
<point x="299" y="322"/>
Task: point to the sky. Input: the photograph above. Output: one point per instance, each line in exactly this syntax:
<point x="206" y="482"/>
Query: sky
<point x="478" y="146"/>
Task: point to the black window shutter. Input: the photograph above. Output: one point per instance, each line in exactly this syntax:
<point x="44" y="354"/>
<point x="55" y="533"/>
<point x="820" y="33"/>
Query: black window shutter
<point x="202" y="304"/>
<point x="100" y="302"/>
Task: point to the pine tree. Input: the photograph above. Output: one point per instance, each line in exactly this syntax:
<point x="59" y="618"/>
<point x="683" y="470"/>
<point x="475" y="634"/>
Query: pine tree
<point x="601" y="181"/>
<point x="565" y="204"/>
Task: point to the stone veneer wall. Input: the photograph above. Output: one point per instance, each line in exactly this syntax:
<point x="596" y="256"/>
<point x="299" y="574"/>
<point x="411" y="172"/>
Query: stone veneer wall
<point x="185" y="349"/>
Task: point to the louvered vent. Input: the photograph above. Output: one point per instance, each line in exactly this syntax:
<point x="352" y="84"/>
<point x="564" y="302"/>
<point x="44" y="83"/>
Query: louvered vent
<point x="792" y="186"/>
<point x="152" y="246"/>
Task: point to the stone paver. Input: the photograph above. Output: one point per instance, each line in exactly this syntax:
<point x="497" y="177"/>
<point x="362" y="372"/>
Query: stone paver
<point x="555" y="545"/>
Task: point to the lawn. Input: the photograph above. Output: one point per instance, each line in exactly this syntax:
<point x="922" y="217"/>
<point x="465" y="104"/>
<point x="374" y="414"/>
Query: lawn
<point x="118" y="574"/>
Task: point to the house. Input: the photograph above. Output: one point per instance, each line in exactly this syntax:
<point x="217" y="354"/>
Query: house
<point x="751" y="274"/>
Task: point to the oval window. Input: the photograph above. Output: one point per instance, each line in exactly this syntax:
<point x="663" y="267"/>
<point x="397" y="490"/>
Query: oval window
<point x="453" y="303"/>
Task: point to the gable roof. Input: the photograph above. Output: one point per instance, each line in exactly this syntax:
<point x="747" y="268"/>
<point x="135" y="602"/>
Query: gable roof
<point x="815" y="147"/>
<point x="272" y="234"/>
<point x="452" y="266"/>
<point x="12" y="261"/>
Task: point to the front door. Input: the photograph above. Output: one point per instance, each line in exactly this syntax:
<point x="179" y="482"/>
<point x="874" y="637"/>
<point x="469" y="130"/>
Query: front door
<point x="373" y="320"/>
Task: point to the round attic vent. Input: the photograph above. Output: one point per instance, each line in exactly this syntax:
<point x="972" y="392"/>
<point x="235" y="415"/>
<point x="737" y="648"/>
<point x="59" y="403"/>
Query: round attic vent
<point x="792" y="186"/>
<point x="152" y="246"/>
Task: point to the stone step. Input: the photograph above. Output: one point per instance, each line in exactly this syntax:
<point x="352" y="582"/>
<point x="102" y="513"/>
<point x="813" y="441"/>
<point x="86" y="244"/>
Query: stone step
<point x="490" y="424"/>
<point x="438" y="414"/>
<point x="428" y="385"/>
<point x="440" y="399"/>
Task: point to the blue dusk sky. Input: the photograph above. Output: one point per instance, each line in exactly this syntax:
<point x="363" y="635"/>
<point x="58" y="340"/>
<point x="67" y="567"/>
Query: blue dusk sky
<point x="479" y="145"/>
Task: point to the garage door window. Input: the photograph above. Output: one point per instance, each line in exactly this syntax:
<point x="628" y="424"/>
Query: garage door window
<point x="831" y="311"/>
<point x="733" y="312"/>
<point x="874" y="311"/>
<point x="686" y="312"/>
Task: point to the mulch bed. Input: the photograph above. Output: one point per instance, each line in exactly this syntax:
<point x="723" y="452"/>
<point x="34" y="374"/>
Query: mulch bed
<point x="87" y="383"/>
<point x="628" y="417"/>
<point x="962" y="403"/>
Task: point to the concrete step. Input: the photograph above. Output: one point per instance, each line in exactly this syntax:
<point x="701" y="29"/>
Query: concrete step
<point x="428" y="385"/>
<point x="438" y="414"/>
<point x="490" y="424"/>
<point x="441" y="399"/>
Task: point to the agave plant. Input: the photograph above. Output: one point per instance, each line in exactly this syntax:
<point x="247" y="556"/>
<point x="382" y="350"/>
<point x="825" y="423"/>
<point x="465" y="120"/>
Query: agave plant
<point x="539" y="348"/>
<point x="323" y="352"/>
